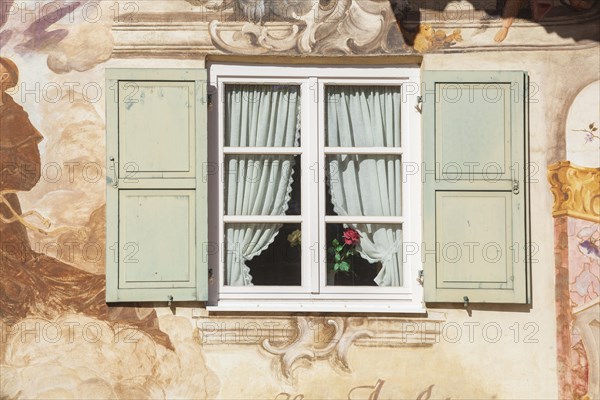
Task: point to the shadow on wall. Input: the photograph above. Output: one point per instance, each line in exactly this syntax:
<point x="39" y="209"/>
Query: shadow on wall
<point x="410" y="15"/>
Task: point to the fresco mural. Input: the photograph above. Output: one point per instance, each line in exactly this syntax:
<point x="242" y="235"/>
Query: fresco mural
<point x="59" y="339"/>
<point x="44" y="298"/>
<point x="577" y="235"/>
<point x="578" y="275"/>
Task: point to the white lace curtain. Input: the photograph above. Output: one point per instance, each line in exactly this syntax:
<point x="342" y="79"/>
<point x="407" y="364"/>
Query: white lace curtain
<point x="257" y="115"/>
<point x="368" y="185"/>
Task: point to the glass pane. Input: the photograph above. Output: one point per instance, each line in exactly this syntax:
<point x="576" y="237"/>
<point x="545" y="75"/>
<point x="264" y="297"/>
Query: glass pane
<point x="262" y="115"/>
<point x="262" y="185"/>
<point x="362" y="116"/>
<point x="263" y="254"/>
<point x="364" y="185"/>
<point x="364" y="255"/>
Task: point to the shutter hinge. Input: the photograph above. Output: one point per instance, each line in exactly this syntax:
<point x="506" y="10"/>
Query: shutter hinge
<point x="421" y="277"/>
<point x="418" y="107"/>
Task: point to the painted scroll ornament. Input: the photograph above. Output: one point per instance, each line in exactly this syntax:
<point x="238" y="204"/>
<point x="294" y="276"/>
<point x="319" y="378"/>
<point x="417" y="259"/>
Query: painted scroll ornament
<point x="325" y="26"/>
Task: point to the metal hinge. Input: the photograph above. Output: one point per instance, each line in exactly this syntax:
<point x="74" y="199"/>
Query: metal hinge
<point x="418" y="107"/>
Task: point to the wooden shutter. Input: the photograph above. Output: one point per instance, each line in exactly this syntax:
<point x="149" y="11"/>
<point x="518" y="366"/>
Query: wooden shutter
<point x="156" y="213"/>
<point x="474" y="211"/>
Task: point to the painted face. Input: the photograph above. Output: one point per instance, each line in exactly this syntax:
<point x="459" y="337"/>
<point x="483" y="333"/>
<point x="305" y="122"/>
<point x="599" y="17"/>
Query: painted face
<point x="4" y="77"/>
<point x="6" y="80"/>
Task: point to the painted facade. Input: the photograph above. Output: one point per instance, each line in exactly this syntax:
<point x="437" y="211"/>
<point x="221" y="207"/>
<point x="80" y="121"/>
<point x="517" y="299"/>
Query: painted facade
<point x="61" y="340"/>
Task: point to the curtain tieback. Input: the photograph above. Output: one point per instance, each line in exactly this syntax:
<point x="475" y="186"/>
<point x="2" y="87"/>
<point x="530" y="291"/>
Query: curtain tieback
<point x="391" y="251"/>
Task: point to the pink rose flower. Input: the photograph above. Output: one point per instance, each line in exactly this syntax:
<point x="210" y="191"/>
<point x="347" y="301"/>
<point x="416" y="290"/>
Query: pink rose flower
<point x="351" y="236"/>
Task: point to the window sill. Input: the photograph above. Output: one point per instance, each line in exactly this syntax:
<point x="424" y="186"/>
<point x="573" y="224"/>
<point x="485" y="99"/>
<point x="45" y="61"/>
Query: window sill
<point x="384" y="307"/>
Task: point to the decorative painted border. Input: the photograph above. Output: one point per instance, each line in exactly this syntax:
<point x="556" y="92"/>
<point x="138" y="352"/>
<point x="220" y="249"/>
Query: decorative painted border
<point x="349" y="28"/>
<point x="575" y="191"/>
<point x="311" y="338"/>
<point x="587" y="321"/>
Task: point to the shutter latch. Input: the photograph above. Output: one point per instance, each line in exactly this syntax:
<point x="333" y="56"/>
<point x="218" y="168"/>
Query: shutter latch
<point x="516" y="186"/>
<point x="114" y="167"/>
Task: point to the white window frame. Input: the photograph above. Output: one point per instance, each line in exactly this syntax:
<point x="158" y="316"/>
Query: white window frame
<point x="313" y="294"/>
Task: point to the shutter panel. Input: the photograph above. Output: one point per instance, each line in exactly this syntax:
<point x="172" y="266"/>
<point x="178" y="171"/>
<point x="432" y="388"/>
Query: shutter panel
<point x="156" y="211"/>
<point x="474" y="150"/>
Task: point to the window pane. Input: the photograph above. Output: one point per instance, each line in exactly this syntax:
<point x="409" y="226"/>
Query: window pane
<point x="364" y="255"/>
<point x="364" y="185"/>
<point x="262" y="115"/>
<point x="263" y="254"/>
<point x="262" y="185"/>
<point x="362" y="116"/>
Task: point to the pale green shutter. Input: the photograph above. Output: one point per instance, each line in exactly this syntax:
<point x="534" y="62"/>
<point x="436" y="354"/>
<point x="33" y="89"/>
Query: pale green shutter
<point x="474" y="209"/>
<point x="156" y="211"/>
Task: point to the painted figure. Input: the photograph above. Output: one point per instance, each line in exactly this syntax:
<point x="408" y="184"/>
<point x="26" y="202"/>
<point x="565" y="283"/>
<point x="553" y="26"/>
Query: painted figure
<point x="539" y="8"/>
<point x="19" y="165"/>
<point x="32" y="283"/>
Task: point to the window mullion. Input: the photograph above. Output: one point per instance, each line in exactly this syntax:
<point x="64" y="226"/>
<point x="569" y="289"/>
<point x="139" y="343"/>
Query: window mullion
<point x="262" y="150"/>
<point x="321" y="163"/>
<point x="311" y="179"/>
<point x="368" y="151"/>
<point x="350" y="219"/>
<point x="261" y="219"/>
<point x="310" y="200"/>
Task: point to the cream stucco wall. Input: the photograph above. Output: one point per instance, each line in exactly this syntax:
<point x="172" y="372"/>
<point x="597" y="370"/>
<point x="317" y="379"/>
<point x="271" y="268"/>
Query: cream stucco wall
<point x="485" y="352"/>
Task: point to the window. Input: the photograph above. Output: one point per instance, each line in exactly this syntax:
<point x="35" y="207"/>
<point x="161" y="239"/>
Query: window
<point x="308" y="154"/>
<point x="296" y="157"/>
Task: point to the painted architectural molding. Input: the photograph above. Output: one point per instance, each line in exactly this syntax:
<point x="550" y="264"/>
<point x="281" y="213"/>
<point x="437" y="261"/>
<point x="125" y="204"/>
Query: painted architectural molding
<point x="587" y="321"/>
<point x="575" y="191"/>
<point x="302" y="340"/>
<point x="340" y="27"/>
<point x="336" y="27"/>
